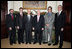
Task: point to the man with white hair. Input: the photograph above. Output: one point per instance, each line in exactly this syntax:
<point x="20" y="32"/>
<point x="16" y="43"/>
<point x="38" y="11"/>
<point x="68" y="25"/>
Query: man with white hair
<point x="28" y="27"/>
<point x="38" y="27"/>
<point x="59" y="26"/>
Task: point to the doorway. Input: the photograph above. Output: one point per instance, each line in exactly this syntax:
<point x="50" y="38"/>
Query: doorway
<point x="4" y="11"/>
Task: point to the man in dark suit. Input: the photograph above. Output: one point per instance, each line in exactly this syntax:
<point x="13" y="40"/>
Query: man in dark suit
<point x="10" y="23"/>
<point x="38" y="27"/>
<point x="59" y="26"/>
<point x="20" y="19"/>
<point x="28" y="27"/>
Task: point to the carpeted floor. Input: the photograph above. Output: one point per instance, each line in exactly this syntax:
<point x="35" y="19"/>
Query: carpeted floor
<point x="5" y="44"/>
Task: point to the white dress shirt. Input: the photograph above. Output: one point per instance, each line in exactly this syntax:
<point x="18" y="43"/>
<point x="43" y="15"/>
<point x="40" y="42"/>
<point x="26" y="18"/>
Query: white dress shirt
<point x="59" y="12"/>
<point x="38" y="16"/>
<point x="21" y="13"/>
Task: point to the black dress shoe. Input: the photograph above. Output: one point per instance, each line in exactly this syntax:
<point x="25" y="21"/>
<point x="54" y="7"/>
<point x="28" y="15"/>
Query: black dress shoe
<point x="60" y="46"/>
<point x="55" y="44"/>
<point x="26" y="42"/>
<point x="29" y="42"/>
<point x="39" y="43"/>
<point x="34" y="42"/>
<point x="11" y="43"/>
<point x="49" y="44"/>
<point x="19" y="42"/>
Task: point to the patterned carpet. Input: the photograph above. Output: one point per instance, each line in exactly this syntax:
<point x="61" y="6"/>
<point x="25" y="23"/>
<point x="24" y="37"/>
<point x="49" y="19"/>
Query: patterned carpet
<point x="5" y="44"/>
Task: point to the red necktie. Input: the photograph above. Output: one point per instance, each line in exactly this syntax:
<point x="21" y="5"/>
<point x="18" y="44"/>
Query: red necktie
<point x="12" y="17"/>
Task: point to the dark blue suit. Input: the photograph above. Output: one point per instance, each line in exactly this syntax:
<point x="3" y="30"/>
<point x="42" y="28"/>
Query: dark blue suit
<point x="59" y="23"/>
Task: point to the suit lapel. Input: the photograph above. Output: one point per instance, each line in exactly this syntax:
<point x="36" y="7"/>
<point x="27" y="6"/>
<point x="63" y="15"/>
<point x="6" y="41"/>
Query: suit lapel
<point x="10" y="17"/>
<point x="47" y="15"/>
<point x="36" y="18"/>
<point x="30" y="17"/>
<point x="52" y="15"/>
<point x="60" y="14"/>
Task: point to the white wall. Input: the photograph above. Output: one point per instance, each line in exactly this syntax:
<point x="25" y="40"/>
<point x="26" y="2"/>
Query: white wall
<point x="10" y="5"/>
<point x="17" y="4"/>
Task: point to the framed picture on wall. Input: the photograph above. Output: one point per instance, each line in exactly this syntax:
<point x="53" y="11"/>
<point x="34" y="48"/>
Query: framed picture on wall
<point x="35" y="4"/>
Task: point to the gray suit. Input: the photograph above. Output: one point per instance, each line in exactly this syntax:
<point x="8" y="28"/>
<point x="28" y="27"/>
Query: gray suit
<point x="48" y="29"/>
<point x="28" y="28"/>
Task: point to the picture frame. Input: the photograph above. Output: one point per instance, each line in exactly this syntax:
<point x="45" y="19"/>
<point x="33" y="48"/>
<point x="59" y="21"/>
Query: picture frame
<point x="35" y="5"/>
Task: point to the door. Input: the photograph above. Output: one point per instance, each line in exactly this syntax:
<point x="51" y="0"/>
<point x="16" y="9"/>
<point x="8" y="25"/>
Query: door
<point x="67" y="31"/>
<point x="4" y="11"/>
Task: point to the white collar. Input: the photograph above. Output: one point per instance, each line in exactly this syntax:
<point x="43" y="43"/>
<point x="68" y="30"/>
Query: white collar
<point x="59" y="11"/>
<point x="28" y="15"/>
<point x="38" y="15"/>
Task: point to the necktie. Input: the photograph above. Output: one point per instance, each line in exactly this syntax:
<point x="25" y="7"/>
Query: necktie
<point x="12" y="16"/>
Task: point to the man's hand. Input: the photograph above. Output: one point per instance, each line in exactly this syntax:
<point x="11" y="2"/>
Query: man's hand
<point x="62" y="29"/>
<point x="10" y="28"/>
<point x="42" y="28"/>
<point x="47" y="24"/>
<point x="17" y="27"/>
<point x="33" y="28"/>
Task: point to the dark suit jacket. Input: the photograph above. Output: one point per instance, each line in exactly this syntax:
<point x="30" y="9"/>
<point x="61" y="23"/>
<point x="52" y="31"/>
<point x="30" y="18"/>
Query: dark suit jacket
<point x="39" y="25"/>
<point x="10" y="22"/>
<point x="28" y="24"/>
<point x="32" y="21"/>
<point x="60" y="20"/>
<point x="20" y="21"/>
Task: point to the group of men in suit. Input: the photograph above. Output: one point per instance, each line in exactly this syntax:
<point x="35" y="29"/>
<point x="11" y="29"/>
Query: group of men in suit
<point x="24" y="23"/>
<point x="38" y="23"/>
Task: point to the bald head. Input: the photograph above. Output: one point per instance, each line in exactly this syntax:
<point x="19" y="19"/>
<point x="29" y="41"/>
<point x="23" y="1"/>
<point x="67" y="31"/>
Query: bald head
<point x="38" y="12"/>
<point x="29" y="11"/>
